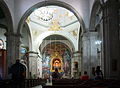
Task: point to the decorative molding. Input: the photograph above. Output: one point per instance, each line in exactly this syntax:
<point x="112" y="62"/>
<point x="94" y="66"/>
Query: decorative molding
<point x="7" y="34"/>
<point x="48" y="26"/>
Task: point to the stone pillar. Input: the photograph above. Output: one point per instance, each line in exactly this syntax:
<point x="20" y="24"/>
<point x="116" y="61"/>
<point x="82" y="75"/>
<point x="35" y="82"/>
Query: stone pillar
<point x="72" y="67"/>
<point x="95" y="50"/>
<point x="90" y="52"/>
<point x="111" y="39"/>
<point x="76" y="64"/>
<point x="33" y="65"/>
<point x="12" y="46"/>
<point x="85" y="53"/>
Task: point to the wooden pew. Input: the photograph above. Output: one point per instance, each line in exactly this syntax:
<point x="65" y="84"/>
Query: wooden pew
<point x="60" y="86"/>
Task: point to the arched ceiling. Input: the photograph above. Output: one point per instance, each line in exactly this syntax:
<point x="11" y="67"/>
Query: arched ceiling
<point x="55" y="37"/>
<point x="55" y="47"/>
<point x="54" y="19"/>
<point x="46" y="16"/>
<point x="53" y="40"/>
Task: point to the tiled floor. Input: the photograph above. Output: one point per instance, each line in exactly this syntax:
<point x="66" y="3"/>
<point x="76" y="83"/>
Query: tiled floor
<point x="37" y="86"/>
<point x="41" y="86"/>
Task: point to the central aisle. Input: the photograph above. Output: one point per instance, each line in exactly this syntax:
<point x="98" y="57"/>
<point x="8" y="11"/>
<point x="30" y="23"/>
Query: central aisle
<point x="37" y="86"/>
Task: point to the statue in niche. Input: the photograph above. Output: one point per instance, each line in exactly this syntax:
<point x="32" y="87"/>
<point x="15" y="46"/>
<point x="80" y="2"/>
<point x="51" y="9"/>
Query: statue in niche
<point x="56" y="62"/>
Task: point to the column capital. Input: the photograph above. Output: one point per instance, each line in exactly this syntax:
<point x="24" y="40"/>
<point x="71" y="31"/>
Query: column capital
<point x="77" y="54"/>
<point x="7" y="34"/>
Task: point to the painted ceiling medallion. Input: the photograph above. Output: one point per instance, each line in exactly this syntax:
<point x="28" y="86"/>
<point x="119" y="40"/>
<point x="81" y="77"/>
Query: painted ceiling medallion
<point x="44" y="13"/>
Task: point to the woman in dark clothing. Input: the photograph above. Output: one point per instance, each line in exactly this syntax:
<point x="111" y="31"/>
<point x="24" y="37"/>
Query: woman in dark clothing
<point x="98" y="73"/>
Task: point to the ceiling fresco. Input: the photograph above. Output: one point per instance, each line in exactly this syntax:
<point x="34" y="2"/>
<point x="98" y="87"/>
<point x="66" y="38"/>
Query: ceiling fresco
<point x="53" y="18"/>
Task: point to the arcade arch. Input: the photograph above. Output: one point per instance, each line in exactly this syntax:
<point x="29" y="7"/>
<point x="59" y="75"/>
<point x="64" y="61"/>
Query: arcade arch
<point x="56" y="54"/>
<point x="37" y="36"/>
<point x="6" y="29"/>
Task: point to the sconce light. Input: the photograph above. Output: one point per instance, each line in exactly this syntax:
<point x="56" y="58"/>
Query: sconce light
<point x="98" y="42"/>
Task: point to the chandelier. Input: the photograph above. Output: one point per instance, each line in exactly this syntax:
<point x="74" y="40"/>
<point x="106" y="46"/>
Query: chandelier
<point x="44" y="13"/>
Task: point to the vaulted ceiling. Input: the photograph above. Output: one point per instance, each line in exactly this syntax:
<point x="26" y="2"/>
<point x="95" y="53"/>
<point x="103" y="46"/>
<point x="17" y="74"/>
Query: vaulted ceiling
<point x="53" y="23"/>
<point x="53" y="18"/>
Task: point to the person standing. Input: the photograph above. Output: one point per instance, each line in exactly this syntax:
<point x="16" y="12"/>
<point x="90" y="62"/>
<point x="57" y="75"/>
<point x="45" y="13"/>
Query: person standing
<point x="98" y="73"/>
<point x="18" y="72"/>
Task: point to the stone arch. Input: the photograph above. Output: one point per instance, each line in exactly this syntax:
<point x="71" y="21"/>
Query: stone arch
<point x="96" y="31"/>
<point x="62" y="42"/>
<point x="8" y="25"/>
<point x="93" y="14"/>
<point x="46" y="34"/>
<point x="30" y="37"/>
<point x="53" y="55"/>
<point x="8" y="17"/>
<point x="44" y="3"/>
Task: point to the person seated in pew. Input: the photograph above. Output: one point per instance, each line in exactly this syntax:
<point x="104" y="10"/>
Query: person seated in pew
<point x="85" y="76"/>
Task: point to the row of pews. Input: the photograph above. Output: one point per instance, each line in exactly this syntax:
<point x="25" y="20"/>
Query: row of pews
<point x="66" y="83"/>
<point x="29" y="83"/>
<point x="34" y="82"/>
<point x="77" y="83"/>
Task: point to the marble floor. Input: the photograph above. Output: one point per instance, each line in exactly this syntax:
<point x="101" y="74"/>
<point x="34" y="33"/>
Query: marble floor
<point x="37" y="86"/>
<point x="41" y="86"/>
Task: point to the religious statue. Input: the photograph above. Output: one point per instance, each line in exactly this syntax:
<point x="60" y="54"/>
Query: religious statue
<point x="56" y="62"/>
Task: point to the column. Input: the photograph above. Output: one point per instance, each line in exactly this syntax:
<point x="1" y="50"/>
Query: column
<point x="95" y="52"/>
<point x="33" y="65"/>
<point x="12" y="46"/>
<point x="76" y="64"/>
<point x="85" y="53"/>
<point x="111" y="39"/>
<point x="90" y="52"/>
